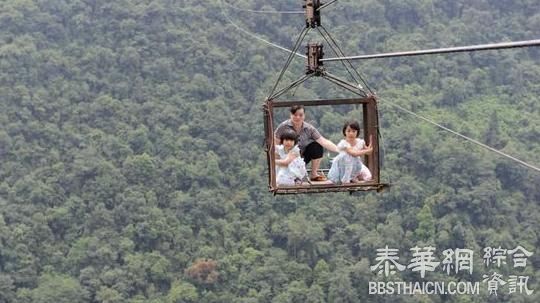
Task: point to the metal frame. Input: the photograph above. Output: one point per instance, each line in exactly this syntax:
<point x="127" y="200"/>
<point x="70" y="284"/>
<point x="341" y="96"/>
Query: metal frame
<point x="314" y="67"/>
<point x="370" y="125"/>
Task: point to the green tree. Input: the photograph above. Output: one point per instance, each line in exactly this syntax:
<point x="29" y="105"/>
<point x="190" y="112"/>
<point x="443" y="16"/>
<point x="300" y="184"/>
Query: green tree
<point x="58" y="288"/>
<point x="341" y="289"/>
<point x="182" y="292"/>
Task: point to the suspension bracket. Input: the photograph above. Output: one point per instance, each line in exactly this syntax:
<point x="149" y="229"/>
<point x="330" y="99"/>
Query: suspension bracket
<point x="314" y="55"/>
<point x="313" y="14"/>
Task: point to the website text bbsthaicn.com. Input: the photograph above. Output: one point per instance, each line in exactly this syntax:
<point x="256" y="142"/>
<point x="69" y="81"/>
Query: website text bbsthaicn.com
<point x="424" y="288"/>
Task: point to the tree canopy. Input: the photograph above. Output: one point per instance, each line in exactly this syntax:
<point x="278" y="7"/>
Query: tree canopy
<point x="132" y="168"/>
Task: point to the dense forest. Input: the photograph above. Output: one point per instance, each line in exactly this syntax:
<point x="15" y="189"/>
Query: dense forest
<point x="132" y="167"/>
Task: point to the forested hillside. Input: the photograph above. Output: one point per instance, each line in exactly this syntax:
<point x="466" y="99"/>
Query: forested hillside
<point x="132" y="167"/>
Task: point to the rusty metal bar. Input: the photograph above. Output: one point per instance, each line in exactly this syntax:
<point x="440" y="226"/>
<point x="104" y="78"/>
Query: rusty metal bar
<point x="371" y="132"/>
<point x="269" y="143"/>
<point x="346" y="85"/>
<point x="318" y="102"/>
<point x="334" y="188"/>
<point x="291" y="86"/>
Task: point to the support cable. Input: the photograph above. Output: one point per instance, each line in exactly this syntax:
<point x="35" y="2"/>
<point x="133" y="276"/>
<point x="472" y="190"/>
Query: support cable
<point x="463" y="136"/>
<point x="262" y="11"/>
<point x="325" y="5"/>
<point x="338" y="54"/>
<point x="348" y="61"/>
<point x="257" y="37"/>
<point x="291" y="86"/>
<point x="355" y="89"/>
<point x="470" y="48"/>
<point x="299" y="40"/>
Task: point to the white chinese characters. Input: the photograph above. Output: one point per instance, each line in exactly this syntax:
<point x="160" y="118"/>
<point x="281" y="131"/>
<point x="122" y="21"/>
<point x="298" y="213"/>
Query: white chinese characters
<point x="457" y="260"/>
<point x="387" y="258"/>
<point x="423" y="260"/>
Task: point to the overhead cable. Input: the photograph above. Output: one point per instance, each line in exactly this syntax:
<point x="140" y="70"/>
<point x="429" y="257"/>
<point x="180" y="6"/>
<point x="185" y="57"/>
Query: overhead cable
<point x="325" y="5"/>
<point x="257" y="37"/>
<point x="470" y="48"/>
<point x="462" y="135"/>
<point x="262" y="11"/>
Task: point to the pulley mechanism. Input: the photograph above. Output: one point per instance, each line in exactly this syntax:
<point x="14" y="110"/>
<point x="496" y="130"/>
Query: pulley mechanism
<point x="314" y="56"/>
<point x="313" y="13"/>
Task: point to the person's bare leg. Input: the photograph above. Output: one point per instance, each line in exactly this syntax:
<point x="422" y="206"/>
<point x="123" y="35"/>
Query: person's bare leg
<point x="315" y="163"/>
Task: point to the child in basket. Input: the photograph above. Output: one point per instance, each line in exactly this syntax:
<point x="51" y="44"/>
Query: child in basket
<point x="290" y="167"/>
<point x="347" y="167"/>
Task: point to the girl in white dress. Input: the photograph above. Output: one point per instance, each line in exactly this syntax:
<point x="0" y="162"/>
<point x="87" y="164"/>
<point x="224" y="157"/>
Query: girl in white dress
<point x="347" y="167"/>
<point x="290" y="167"/>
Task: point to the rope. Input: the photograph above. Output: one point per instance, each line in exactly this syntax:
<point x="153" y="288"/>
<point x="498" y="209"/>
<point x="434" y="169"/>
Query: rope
<point x="255" y="36"/>
<point x="470" y="48"/>
<point x="262" y="11"/>
<point x="463" y="136"/>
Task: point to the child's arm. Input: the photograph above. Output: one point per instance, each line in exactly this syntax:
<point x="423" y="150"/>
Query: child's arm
<point x="368" y="149"/>
<point x="285" y="162"/>
<point x="276" y="157"/>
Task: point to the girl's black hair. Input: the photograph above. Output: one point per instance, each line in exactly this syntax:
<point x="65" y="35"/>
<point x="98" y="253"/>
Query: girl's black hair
<point x="354" y="125"/>
<point x="288" y="134"/>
